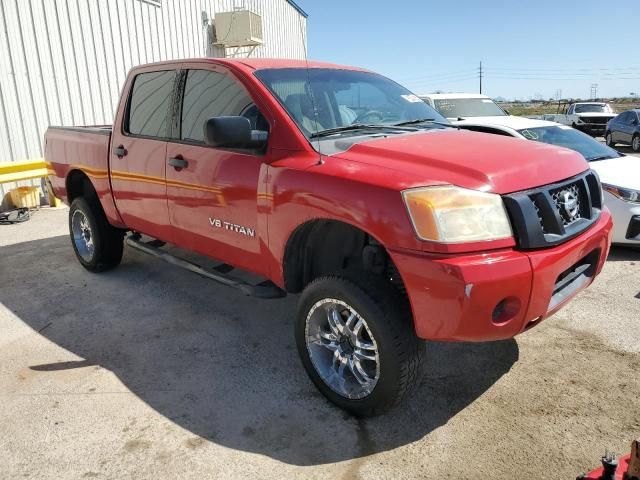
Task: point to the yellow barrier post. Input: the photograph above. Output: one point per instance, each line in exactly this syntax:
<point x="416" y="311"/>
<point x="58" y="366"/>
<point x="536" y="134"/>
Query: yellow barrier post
<point x="27" y="170"/>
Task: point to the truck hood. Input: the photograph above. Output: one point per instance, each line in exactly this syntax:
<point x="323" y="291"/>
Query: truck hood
<point x="620" y="172"/>
<point x="468" y="159"/>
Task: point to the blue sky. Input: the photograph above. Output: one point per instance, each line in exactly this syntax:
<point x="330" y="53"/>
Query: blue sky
<point x="528" y="49"/>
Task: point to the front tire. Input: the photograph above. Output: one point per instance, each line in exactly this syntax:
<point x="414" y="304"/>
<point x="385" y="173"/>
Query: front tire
<point x="635" y="143"/>
<point x="357" y="343"/>
<point x="98" y="245"/>
<point x="608" y="139"/>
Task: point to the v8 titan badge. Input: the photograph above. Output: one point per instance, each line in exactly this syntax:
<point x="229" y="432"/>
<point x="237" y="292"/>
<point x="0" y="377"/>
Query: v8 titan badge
<point x="217" y="223"/>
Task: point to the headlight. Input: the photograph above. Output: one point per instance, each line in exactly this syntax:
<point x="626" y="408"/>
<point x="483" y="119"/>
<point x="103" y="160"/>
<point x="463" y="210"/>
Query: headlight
<point x="450" y="214"/>
<point x="626" y="194"/>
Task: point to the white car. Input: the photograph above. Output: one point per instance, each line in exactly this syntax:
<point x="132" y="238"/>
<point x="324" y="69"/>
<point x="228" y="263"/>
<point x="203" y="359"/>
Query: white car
<point x="459" y="106"/>
<point x="619" y="174"/>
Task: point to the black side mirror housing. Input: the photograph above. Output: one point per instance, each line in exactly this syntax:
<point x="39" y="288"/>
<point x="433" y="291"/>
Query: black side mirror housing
<point x="233" y="132"/>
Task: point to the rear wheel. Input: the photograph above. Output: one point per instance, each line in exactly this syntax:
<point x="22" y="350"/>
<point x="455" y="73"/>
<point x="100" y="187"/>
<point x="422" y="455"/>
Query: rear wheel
<point x="609" y="140"/>
<point x="98" y="245"/>
<point x="635" y="143"/>
<point x="357" y="343"/>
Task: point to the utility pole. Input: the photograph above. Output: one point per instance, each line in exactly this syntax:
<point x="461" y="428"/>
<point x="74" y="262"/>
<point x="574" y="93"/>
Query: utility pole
<point x="480" y="77"/>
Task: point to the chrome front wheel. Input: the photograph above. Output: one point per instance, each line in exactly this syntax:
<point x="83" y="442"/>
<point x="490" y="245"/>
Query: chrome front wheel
<point x="635" y="144"/>
<point x="356" y="340"/>
<point x="342" y="348"/>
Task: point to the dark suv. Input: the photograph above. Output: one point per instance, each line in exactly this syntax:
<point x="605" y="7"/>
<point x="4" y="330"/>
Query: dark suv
<point x="625" y="129"/>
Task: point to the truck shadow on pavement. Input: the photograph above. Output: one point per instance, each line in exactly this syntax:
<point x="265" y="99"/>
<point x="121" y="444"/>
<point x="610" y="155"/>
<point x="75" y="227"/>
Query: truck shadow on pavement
<point x="219" y="364"/>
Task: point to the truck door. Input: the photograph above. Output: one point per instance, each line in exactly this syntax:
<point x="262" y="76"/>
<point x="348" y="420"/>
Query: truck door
<point x="213" y="192"/>
<point x="138" y="152"/>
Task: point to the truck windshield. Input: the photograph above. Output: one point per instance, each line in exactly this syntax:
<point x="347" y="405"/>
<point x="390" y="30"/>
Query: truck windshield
<point x="328" y="99"/>
<point x="468" y="107"/>
<point x="564" y="136"/>
<point x="592" y="108"/>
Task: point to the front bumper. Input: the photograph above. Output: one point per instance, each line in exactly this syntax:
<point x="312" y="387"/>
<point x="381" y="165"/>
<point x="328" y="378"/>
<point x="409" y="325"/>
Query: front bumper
<point x="499" y="294"/>
<point x="593" y="129"/>
<point x="626" y="217"/>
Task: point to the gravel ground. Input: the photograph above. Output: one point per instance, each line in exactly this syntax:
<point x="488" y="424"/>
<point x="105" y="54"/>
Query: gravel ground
<point x="152" y="372"/>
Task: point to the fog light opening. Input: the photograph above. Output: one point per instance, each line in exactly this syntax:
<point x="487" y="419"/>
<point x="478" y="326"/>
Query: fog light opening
<point x="505" y="310"/>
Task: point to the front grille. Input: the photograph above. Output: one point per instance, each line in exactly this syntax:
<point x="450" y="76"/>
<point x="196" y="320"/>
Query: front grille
<point x="550" y="215"/>
<point x="595" y="120"/>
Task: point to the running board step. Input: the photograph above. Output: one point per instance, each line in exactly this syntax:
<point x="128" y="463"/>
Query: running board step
<point x="266" y="289"/>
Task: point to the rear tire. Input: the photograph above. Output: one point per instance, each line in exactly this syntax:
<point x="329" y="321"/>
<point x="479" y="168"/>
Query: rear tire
<point x="98" y="245"/>
<point x="381" y="362"/>
<point x="635" y="143"/>
<point x="608" y="139"/>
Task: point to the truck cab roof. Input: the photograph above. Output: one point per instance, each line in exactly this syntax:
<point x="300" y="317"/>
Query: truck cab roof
<point x="254" y="63"/>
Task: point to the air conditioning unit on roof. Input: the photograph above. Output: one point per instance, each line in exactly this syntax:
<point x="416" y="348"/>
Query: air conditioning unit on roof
<point x="240" y="28"/>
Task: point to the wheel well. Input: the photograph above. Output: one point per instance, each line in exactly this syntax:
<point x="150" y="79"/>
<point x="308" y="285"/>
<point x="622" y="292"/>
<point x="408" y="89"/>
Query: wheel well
<point x="79" y="185"/>
<point x="325" y="247"/>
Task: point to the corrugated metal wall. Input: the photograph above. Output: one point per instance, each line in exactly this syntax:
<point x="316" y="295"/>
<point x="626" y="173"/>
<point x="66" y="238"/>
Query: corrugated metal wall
<point x="62" y="62"/>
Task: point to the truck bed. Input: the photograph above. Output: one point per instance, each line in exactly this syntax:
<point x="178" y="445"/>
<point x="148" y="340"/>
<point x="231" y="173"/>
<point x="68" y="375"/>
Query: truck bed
<point x="85" y="149"/>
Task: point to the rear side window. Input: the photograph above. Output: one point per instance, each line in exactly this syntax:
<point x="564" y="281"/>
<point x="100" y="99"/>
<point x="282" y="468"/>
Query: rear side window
<point x="150" y="102"/>
<point x="210" y="94"/>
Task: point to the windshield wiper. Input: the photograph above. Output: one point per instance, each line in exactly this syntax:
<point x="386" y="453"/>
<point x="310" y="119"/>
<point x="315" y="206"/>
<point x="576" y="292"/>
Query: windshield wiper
<point x="425" y="120"/>
<point x="358" y="126"/>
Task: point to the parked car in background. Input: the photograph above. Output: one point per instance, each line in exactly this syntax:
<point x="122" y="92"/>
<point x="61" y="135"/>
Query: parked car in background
<point x="588" y="117"/>
<point x="458" y="106"/>
<point x="392" y="225"/>
<point x="624" y="129"/>
<point x="620" y="174"/>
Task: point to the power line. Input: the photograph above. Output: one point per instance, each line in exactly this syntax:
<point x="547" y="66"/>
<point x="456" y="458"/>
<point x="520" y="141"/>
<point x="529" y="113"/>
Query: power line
<point x="438" y="80"/>
<point x="508" y="77"/>
<point x="443" y="82"/>
<point x="437" y="76"/>
<point x="566" y="69"/>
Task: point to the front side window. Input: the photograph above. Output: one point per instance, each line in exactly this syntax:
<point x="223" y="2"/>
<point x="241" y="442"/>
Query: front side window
<point x="468" y="107"/>
<point x="632" y="117"/>
<point x="623" y="118"/>
<point x="149" y="104"/>
<point x="321" y="99"/>
<point x="210" y="94"/>
<point x="568" y="137"/>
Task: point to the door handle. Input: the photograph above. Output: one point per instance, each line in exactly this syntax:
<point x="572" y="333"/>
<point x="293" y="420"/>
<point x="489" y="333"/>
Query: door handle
<point x="178" y="163"/>
<point x="120" y="151"/>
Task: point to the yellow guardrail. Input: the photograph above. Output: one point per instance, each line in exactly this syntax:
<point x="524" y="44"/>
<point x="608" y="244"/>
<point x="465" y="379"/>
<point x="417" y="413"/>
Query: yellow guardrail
<point x="27" y="170"/>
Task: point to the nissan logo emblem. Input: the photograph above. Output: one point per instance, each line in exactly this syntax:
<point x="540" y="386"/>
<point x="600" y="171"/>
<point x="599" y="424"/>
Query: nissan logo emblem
<point x="570" y="203"/>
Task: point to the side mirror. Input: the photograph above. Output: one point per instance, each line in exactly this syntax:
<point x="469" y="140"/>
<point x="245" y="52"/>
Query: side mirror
<point x="233" y="132"/>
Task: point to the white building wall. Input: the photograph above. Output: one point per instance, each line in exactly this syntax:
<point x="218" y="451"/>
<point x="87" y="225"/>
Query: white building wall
<point x="63" y="62"/>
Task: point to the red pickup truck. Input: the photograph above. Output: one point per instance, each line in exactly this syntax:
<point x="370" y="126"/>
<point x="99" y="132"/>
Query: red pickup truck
<point x="339" y="184"/>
